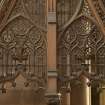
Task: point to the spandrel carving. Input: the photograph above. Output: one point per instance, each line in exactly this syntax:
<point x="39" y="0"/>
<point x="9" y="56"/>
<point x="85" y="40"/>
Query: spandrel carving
<point x="66" y="10"/>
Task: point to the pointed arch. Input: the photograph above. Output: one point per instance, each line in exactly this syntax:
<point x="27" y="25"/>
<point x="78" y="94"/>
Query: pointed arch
<point x="23" y="40"/>
<point x="83" y="34"/>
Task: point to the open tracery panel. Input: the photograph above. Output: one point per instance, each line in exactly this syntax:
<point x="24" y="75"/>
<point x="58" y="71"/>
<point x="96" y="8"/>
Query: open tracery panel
<point x="23" y="48"/>
<point x="80" y="38"/>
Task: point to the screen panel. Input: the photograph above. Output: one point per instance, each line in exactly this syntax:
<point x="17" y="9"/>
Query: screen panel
<point x="23" y="50"/>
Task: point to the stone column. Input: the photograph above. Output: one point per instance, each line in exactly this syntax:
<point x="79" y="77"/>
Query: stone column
<point x="79" y="94"/>
<point x="83" y="92"/>
<point x="52" y="58"/>
<point x="102" y="96"/>
<point x="52" y="73"/>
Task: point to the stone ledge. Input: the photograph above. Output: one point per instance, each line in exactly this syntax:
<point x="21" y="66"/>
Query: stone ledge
<point x="52" y="72"/>
<point x="52" y="17"/>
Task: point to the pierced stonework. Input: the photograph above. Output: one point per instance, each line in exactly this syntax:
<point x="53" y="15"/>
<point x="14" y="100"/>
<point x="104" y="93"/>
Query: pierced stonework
<point x="23" y="49"/>
<point x="81" y="41"/>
